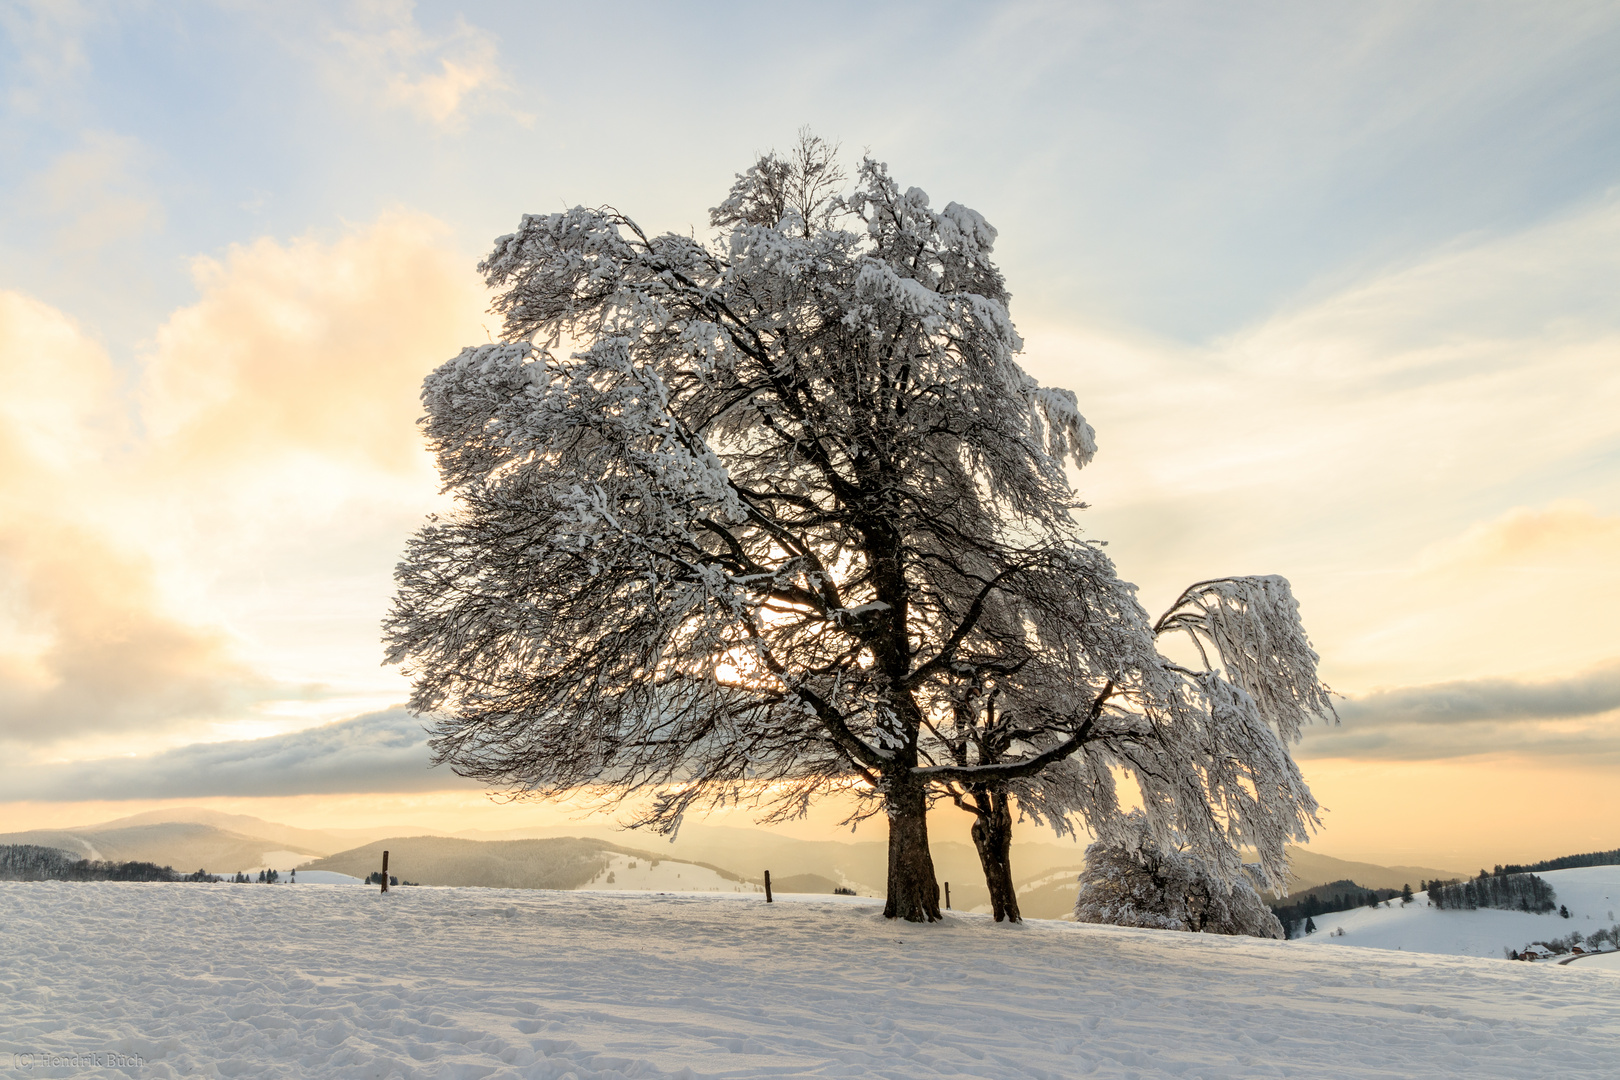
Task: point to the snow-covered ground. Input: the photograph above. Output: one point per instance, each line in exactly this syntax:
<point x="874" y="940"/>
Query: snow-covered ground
<point x="1605" y="961"/>
<point x="320" y="980"/>
<point x="629" y="873"/>
<point x="322" y="877"/>
<point x="1592" y="894"/>
<point x="270" y="860"/>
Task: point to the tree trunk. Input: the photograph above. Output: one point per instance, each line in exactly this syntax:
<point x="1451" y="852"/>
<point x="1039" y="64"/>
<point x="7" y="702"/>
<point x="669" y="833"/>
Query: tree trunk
<point x="913" y="888"/>
<point x="992" y="835"/>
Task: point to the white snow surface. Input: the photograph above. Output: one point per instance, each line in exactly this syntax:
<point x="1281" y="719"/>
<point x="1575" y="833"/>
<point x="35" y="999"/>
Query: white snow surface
<point x="1609" y="961"/>
<point x="324" y="980"/>
<point x="634" y="874"/>
<point x="323" y="877"/>
<point x="1592" y="894"/>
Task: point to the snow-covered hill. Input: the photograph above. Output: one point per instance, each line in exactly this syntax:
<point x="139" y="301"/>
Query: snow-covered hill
<point x="1592" y="894"/>
<point x="186" y="846"/>
<point x="319" y="981"/>
<point x="637" y="873"/>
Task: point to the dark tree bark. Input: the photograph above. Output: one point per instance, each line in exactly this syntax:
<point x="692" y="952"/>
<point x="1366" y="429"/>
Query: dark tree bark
<point x="913" y="892"/>
<point x="992" y="836"/>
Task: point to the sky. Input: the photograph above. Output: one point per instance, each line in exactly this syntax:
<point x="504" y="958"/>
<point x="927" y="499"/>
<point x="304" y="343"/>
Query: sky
<point x="1336" y="284"/>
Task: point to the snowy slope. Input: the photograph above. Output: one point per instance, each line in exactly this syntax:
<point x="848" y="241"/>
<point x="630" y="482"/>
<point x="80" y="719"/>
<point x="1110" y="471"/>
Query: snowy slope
<point x="1592" y="894"/>
<point x="1600" y="961"/>
<point x="631" y="873"/>
<point x="312" y="980"/>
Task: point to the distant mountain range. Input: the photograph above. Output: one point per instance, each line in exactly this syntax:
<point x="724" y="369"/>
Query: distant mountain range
<point x="191" y="838"/>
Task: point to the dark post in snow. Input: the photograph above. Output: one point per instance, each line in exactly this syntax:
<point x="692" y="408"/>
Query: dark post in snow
<point x="385" y="872"/>
<point x="768" y="887"/>
<point x="947" y="896"/>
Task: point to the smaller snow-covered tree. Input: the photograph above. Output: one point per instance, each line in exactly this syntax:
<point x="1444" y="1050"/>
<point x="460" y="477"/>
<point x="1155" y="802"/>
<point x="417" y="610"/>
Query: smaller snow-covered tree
<point x="1207" y="743"/>
<point x="1135" y="880"/>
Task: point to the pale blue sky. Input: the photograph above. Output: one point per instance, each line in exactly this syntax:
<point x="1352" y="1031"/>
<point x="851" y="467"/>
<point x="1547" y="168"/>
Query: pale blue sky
<point x="1185" y="169"/>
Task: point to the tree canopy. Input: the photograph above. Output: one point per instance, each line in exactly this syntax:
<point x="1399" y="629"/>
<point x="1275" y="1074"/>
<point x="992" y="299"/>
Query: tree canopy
<point x="779" y="514"/>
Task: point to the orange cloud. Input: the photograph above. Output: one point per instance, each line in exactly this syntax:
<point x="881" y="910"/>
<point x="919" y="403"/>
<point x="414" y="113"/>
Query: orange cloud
<point x="100" y="655"/>
<point x="85" y="646"/>
<point x="1529" y="538"/>
<point x="312" y="347"/>
<point x="183" y="548"/>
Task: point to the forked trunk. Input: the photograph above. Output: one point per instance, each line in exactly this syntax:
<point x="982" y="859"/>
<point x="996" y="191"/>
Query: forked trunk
<point x="913" y="888"/>
<point x="992" y="835"/>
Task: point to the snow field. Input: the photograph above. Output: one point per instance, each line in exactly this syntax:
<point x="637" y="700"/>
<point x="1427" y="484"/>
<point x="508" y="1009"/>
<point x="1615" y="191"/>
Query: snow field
<point x="1592" y="894"/>
<point x="312" y="980"/>
<point x="1600" y="962"/>
<point x="636" y="874"/>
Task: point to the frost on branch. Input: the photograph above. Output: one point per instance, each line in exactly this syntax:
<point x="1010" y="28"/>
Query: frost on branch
<point x="792" y="519"/>
<point x="1249" y="628"/>
<point x="727" y="543"/>
<point x="1137" y="880"/>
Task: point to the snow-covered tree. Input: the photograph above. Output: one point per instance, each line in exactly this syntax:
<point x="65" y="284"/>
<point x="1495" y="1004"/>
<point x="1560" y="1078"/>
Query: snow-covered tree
<point x="779" y="515"/>
<point x="1206" y="744"/>
<point x="1135" y="880"/>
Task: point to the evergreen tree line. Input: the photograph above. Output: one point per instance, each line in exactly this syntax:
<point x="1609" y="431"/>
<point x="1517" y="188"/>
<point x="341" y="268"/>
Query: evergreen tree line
<point x="1510" y="892"/>
<point x="31" y="862"/>
<point x="1565" y="862"/>
<point x="1296" y="910"/>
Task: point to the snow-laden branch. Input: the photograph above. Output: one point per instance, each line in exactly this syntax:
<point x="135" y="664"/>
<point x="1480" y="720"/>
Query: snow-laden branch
<point x="1251" y="626"/>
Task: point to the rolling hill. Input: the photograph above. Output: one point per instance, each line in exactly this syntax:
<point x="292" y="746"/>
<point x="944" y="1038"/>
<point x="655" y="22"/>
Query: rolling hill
<point x="189" y="838"/>
<point x="182" y="845"/>
<point x="562" y="862"/>
<point x="1591" y="895"/>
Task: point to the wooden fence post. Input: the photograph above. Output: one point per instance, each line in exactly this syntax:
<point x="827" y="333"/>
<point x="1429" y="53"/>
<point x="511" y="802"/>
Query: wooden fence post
<point x="385" y="872"/>
<point x="768" y="887"/>
<point x="947" y="896"/>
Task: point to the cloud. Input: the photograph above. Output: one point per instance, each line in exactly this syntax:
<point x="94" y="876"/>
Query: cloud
<point x="379" y="752"/>
<point x="1428" y="456"/>
<point x="47" y="36"/>
<point x="1529" y="538"/>
<point x="95" y="653"/>
<point x="442" y="78"/>
<point x="1575" y="717"/>
<point x="85" y="644"/>
<point x="95" y="195"/>
<point x="1587" y="694"/>
<point x="186" y="545"/>
<point x="59" y="407"/>
<point x="312" y="346"/>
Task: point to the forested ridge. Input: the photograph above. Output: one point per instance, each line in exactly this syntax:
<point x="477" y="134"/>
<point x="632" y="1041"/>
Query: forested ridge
<point x="31" y="862"/>
<point x="1508" y="891"/>
<point x="1564" y="862"/>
